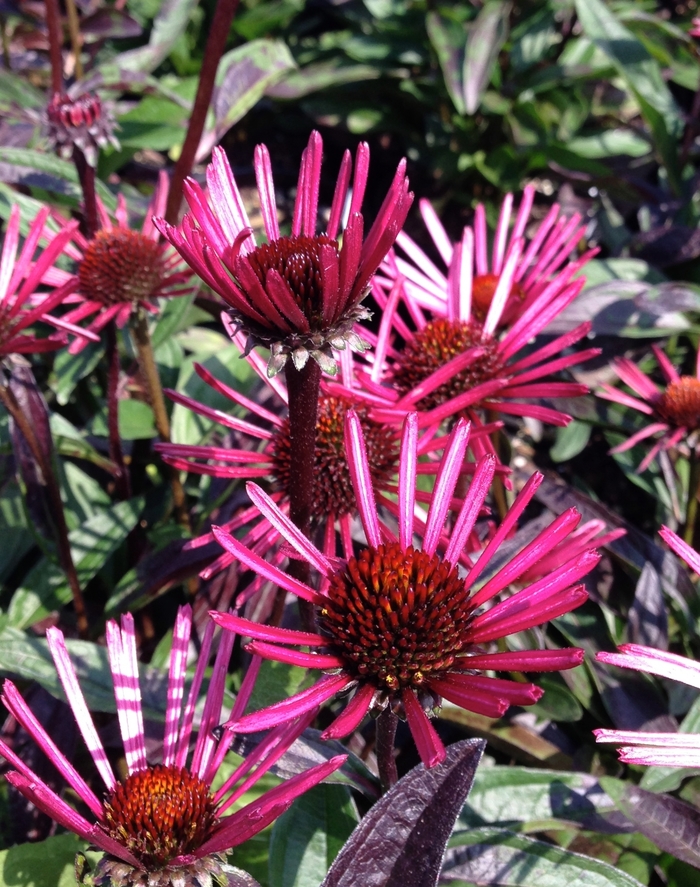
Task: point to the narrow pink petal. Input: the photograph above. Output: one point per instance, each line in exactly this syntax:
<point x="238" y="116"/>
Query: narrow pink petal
<point x="501" y="238"/>
<point x="359" y="182"/>
<point x="266" y="191"/>
<point x="617" y="396"/>
<point x="193" y="697"/>
<point x="436" y="230"/>
<point x="471" y="507"/>
<point x="524" y="209"/>
<point x="176" y="682"/>
<point x="352" y="715"/>
<point x="635" y="378"/>
<point x="640" y="435"/>
<point x="294" y="657"/>
<point x="665" y="665"/>
<point x="242" y="825"/>
<point x="428" y="743"/>
<point x="407" y="479"/>
<point x="261" y="566"/>
<point x="341" y="189"/>
<point x="296" y="705"/>
<point x="206" y="744"/>
<point x="288" y="530"/>
<point x="9" y="252"/>
<point x="226" y="198"/>
<point x="249" y="629"/>
<point x="426" y="273"/>
<point x="480" y="240"/>
<point x="660" y="757"/>
<point x="526" y="660"/>
<point x="660" y="740"/>
<point x="76" y="700"/>
<point x="682" y="549"/>
<point x="361" y="478"/>
<point x="466" y="276"/>
<point x="445" y="482"/>
<point x="121" y="647"/>
<point x="470" y="698"/>
<point x="515" y="619"/>
<point x="514" y="692"/>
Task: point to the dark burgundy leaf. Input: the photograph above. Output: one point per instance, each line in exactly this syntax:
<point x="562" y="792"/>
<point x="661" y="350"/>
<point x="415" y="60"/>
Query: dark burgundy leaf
<point x="113" y="23"/>
<point x="401" y="841"/>
<point x="648" y="622"/>
<point x="668" y="246"/>
<point x="672" y="825"/>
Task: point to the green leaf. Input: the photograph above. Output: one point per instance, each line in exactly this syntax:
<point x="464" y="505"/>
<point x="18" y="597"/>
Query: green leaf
<point x="69" y="369"/>
<point x="502" y="859"/>
<point x="277" y="681"/>
<point x="48" y="863"/>
<point x="642" y="76"/>
<point x="171" y="318"/>
<point x="168" y="26"/>
<point x="45" y="587"/>
<point x="308" y="837"/>
<point x="22" y="166"/>
<point x="571" y="440"/>
<point x="449" y="39"/>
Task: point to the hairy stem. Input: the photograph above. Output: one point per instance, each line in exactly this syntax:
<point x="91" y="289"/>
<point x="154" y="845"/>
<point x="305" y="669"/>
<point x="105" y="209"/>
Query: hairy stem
<point x="116" y="454"/>
<point x="216" y="41"/>
<point x="386" y="725"/>
<point x="53" y="25"/>
<point x="154" y="390"/>
<point x="43" y="460"/>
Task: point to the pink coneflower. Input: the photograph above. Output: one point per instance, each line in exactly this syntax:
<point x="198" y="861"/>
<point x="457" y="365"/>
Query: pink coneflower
<point x="163" y="823"/>
<point x="456" y="347"/>
<point x="674" y="409"/>
<point x="22" y="304"/>
<point x="79" y="119"/>
<point x="401" y="625"/>
<point x="121" y="268"/>
<point x="297" y="294"/>
<point x="264" y="455"/>
<point x="519" y="271"/>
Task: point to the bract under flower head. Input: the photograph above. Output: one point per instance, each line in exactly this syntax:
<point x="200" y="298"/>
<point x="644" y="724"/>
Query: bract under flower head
<point x="121" y="268"/>
<point x="334" y="501"/>
<point x="674" y="410"/>
<point x="79" y="119"/>
<point x="298" y="294"/>
<point x="400" y="624"/>
<point x="23" y="274"/>
<point x="164" y="823"/>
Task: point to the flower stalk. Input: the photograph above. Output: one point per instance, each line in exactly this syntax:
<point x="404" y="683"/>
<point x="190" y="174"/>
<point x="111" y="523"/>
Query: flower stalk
<point x="386" y="724"/>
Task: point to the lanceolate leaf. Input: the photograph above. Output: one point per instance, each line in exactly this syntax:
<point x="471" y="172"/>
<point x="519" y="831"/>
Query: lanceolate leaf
<point x="672" y="825"/>
<point x="486" y="37"/>
<point x="401" y="841"/>
<point x="493" y="858"/>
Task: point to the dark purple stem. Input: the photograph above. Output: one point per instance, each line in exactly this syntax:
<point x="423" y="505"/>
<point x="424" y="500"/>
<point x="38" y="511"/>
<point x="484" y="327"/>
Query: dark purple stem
<point x="121" y="475"/>
<point x="386" y="725"/>
<point x="86" y="174"/>
<point x="216" y="42"/>
<point x="53" y="24"/>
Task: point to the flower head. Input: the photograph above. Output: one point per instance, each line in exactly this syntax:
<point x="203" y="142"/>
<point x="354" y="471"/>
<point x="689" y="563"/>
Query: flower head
<point x="164" y="821"/>
<point x="22" y="274"/>
<point x="121" y="267"/>
<point x="674" y="410"/>
<point x="298" y="294"/>
<point x="453" y="345"/>
<point x="79" y="119"/>
<point x="400" y="623"/>
<point x="334" y="501"/>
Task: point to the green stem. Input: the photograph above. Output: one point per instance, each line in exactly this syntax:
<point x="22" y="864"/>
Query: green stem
<point x="386" y="725"/>
<point x="216" y="42"/>
<point x="154" y="391"/>
<point x="10" y="403"/>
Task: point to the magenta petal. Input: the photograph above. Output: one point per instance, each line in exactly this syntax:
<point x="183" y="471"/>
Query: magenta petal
<point x="428" y="743"/>
<point x="361" y="479"/>
<point x="294" y="657"/>
<point x="248" y="629"/>
<point x="351" y="717"/>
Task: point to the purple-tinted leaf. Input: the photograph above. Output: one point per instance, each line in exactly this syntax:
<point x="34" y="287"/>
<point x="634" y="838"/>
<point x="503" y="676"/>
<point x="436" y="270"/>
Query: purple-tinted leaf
<point x="672" y="825"/>
<point x="648" y="622"/>
<point x="243" y="76"/>
<point x="109" y="22"/>
<point x="22" y="386"/>
<point x="667" y="246"/>
<point x="234" y="877"/>
<point x="309" y="751"/>
<point x="486" y="37"/>
<point x="401" y="841"/>
<point x="448" y="39"/>
<point x="171" y="21"/>
<point x="323" y="75"/>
